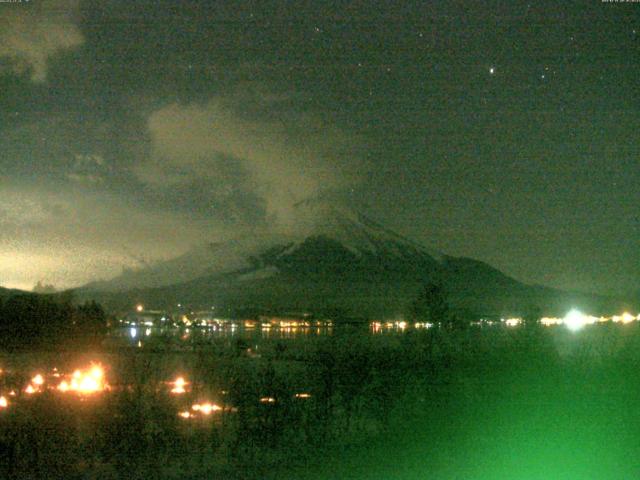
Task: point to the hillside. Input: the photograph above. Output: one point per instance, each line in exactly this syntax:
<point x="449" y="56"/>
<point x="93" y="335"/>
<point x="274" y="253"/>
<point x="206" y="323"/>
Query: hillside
<point x="336" y="260"/>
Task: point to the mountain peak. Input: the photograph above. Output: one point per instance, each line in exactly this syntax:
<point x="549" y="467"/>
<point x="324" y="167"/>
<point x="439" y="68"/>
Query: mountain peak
<point x="310" y="220"/>
<point x="355" y="230"/>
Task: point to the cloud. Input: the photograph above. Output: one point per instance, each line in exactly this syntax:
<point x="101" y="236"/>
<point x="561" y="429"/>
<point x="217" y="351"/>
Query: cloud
<point x="251" y="141"/>
<point x="73" y="235"/>
<point x="88" y="169"/>
<point x="31" y="33"/>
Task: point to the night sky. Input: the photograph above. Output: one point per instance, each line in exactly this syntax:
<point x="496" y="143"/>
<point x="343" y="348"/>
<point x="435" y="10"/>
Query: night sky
<point x="504" y="131"/>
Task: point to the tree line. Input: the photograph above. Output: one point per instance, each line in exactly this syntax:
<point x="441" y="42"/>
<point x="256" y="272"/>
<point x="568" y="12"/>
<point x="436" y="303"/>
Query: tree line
<point x="29" y="320"/>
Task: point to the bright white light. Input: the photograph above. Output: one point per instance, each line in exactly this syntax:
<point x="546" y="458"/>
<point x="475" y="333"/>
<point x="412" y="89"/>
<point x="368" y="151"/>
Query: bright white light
<point x="513" y="322"/>
<point x="575" y="320"/>
<point x="550" y="321"/>
<point x="133" y="332"/>
<point x="492" y="70"/>
<point x="627" y="317"/>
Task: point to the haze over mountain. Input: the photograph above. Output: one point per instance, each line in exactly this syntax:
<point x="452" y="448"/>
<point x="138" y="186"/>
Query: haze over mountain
<point x="328" y="258"/>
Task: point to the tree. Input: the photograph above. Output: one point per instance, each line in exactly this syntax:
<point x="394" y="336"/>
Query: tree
<point x="532" y="316"/>
<point x="89" y="322"/>
<point x="432" y="306"/>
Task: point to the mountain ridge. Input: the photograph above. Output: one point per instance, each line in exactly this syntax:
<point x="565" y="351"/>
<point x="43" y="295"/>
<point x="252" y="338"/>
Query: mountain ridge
<point x="335" y="259"/>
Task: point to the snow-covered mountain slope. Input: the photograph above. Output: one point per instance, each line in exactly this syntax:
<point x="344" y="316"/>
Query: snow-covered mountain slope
<point x="353" y="230"/>
<point x="313" y="223"/>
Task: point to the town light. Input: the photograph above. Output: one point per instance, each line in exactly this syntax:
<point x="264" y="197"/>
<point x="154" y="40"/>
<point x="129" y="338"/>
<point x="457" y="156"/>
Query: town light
<point x="575" y="320"/>
<point x="206" y="408"/>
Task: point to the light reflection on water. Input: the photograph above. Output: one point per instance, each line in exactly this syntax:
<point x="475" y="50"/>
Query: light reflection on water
<point x="292" y="329"/>
<point x="134" y="334"/>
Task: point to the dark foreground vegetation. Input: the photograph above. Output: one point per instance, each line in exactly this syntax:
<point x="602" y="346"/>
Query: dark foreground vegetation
<point x="494" y="403"/>
<point x="49" y="322"/>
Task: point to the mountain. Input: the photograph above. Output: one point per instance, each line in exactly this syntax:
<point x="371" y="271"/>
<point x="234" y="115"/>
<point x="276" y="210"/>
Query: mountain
<point x="8" y="292"/>
<point x="328" y="259"/>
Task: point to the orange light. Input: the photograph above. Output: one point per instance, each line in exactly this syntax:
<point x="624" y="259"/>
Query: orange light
<point x="88" y="384"/>
<point x="30" y="390"/>
<point x="206" y="408"/>
<point x="178" y="386"/>
<point x="38" y="380"/>
<point x="4" y="403"/>
<point x="85" y="381"/>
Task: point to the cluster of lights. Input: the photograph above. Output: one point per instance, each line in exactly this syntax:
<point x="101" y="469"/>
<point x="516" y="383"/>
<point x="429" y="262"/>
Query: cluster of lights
<point x="573" y="320"/>
<point x="36" y="385"/>
<point x="84" y="381"/>
<point x="300" y="396"/>
<point x="200" y="409"/>
<point x="401" y="325"/>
